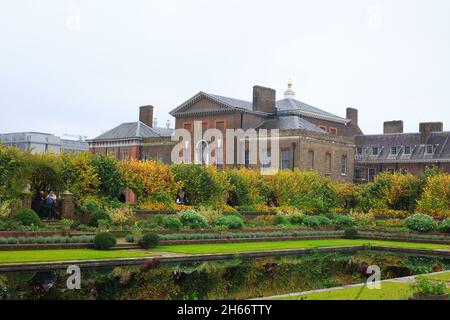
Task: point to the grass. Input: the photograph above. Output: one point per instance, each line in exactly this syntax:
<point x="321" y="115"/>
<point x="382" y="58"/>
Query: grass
<point x="65" y="255"/>
<point x="388" y="291"/>
<point x="284" y="245"/>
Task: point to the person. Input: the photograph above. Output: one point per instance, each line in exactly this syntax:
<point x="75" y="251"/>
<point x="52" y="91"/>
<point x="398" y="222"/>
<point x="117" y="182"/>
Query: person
<point x="37" y="204"/>
<point x="50" y="205"/>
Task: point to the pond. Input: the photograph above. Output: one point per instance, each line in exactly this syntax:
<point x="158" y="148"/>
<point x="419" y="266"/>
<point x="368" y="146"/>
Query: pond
<point x="228" y="279"/>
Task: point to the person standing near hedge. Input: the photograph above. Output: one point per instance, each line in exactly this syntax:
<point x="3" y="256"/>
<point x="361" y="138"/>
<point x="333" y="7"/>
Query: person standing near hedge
<point x="50" y="205"/>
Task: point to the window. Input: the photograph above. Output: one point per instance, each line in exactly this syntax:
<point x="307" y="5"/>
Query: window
<point x="219" y="155"/>
<point x="371" y="174"/>
<point x="334" y="131"/>
<point x="344" y="165"/>
<point x="266" y="158"/>
<point x="187" y="153"/>
<point x="430" y="149"/>
<point x="407" y="150"/>
<point x="247" y="159"/>
<point x="145" y="157"/>
<point x="391" y="170"/>
<point x="328" y="162"/>
<point x="324" y="128"/>
<point x="159" y="158"/>
<point x="359" y="151"/>
<point x="202" y="152"/>
<point x="310" y="159"/>
<point x="285" y="159"/>
<point x="393" y="150"/>
<point x="375" y="151"/>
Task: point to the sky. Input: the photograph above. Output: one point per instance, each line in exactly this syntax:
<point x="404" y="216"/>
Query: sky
<point x="82" y="67"/>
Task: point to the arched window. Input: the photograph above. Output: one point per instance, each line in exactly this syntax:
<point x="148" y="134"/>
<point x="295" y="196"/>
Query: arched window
<point x="202" y="152"/>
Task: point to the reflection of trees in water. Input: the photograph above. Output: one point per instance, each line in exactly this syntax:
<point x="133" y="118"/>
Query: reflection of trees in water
<point x="227" y="279"/>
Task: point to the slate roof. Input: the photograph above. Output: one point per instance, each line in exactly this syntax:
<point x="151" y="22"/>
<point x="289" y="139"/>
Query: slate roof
<point x="290" y="123"/>
<point x="134" y="130"/>
<point x="285" y="106"/>
<point x="439" y="140"/>
<point x="292" y="105"/>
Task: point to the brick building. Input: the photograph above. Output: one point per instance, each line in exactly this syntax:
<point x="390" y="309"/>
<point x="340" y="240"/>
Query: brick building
<point x="310" y="138"/>
<point x="395" y="150"/>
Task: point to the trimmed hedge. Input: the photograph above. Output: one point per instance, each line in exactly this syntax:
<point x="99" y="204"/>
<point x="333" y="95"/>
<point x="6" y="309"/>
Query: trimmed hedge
<point x="28" y="217"/>
<point x="149" y="241"/>
<point x="104" y="241"/>
<point x="420" y="223"/>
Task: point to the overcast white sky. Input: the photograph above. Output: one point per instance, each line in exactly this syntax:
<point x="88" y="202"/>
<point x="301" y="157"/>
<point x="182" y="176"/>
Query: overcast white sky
<point x="84" y="66"/>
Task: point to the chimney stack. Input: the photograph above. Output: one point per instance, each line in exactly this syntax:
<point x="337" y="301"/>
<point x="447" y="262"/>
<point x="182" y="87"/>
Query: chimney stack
<point x="352" y="115"/>
<point x="264" y="99"/>
<point x="426" y="128"/>
<point x="146" y="115"/>
<point x="393" y="127"/>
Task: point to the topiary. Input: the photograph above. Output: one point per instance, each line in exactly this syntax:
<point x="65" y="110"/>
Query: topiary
<point x="149" y="240"/>
<point x="420" y="223"/>
<point x="231" y="222"/>
<point x="445" y="226"/>
<point x="172" y="223"/>
<point x="193" y="220"/>
<point x="27" y="217"/>
<point x="104" y="241"/>
<point x="98" y="215"/>
<point x="343" y="221"/>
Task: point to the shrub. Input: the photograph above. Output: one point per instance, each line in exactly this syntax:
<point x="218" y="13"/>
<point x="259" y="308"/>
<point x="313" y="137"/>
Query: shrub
<point x="296" y="219"/>
<point x="343" y="221"/>
<point x="28" y="217"/>
<point x="445" y="226"/>
<point x="193" y="220"/>
<point x="111" y="180"/>
<point x="420" y="223"/>
<point x="120" y="216"/>
<point x="231" y="222"/>
<point x="104" y="241"/>
<point x="429" y="287"/>
<point x="98" y="215"/>
<point x="90" y="206"/>
<point x="149" y="241"/>
<point x="172" y="223"/>
<point x="436" y="194"/>
<point x="351" y="234"/>
<point x="280" y="218"/>
<point x="316" y="222"/>
<point x="129" y="238"/>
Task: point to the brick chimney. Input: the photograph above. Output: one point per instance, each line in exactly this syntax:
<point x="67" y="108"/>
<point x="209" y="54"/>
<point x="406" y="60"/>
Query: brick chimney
<point x="426" y="128"/>
<point x="146" y="115"/>
<point x="393" y="127"/>
<point x="352" y="115"/>
<point x="264" y="99"/>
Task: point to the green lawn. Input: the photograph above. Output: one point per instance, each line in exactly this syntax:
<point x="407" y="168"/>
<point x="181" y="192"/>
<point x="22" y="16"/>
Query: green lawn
<point x="388" y="291"/>
<point x="281" y="245"/>
<point x="65" y="255"/>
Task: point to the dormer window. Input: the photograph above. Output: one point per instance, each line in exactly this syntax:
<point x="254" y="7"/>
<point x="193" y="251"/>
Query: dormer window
<point x="407" y="150"/>
<point x="430" y="149"/>
<point x="393" y="150"/>
<point x="375" y="151"/>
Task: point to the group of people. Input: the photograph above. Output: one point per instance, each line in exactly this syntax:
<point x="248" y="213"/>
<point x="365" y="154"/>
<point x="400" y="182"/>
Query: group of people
<point x="45" y="205"/>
